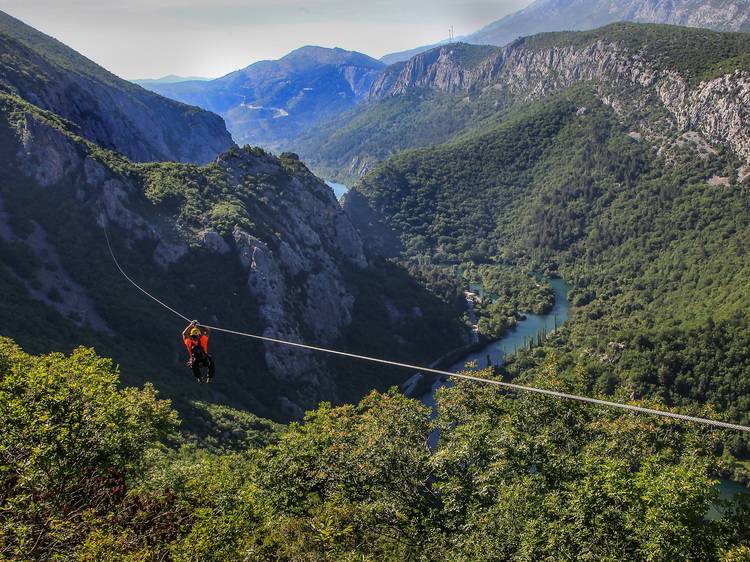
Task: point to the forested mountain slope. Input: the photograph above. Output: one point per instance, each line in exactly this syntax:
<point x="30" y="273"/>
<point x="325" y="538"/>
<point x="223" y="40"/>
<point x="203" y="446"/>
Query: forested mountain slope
<point x="653" y="244"/>
<point x="270" y="102"/>
<point x="250" y="242"/>
<point x="680" y="81"/>
<point x="107" y="110"/>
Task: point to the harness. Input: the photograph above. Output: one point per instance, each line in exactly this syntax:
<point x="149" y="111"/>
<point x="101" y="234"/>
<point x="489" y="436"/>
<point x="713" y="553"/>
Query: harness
<point x="196" y="351"/>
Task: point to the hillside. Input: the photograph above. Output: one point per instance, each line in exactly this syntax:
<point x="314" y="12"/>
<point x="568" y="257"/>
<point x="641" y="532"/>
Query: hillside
<point x="653" y="244"/>
<point x="107" y="110"/>
<point x="269" y="102"/>
<point x="250" y="242"/>
<point x="579" y="15"/>
<point x="677" y="80"/>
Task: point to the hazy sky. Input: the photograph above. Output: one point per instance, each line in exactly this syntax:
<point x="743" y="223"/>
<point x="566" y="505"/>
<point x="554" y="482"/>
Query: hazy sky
<point x="151" y="38"/>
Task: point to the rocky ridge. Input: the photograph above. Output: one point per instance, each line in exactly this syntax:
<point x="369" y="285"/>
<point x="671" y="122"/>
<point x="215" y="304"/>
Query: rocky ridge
<point x="294" y="253"/>
<point x="716" y="108"/>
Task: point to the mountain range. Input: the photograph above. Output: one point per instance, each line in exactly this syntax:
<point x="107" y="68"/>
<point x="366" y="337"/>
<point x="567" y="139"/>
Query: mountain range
<point x="681" y="73"/>
<point x="275" y="104"/>
<point x="270" y="102"/>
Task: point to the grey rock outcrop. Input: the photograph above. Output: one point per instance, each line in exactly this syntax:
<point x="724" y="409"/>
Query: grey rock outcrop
<point x="297" y="279"/>
<point x="718" y="109"/>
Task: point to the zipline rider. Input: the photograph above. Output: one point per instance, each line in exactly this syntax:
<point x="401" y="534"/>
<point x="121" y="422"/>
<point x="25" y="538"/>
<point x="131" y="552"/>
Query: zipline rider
<point x="195" y="338"/>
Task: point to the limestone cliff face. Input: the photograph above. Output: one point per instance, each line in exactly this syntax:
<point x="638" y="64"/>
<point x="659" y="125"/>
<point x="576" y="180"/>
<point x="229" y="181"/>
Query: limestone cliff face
<point x="293" y="258"/>
<point x="628" y="80"/>
<point x="437" y="68"/>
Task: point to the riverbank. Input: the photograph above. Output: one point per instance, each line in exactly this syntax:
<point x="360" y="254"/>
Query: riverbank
<point x="494" y="352"/>
<point x="419" y="383"/>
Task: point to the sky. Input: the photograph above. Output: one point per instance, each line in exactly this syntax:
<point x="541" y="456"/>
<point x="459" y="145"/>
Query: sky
<point x="153" y="38"/>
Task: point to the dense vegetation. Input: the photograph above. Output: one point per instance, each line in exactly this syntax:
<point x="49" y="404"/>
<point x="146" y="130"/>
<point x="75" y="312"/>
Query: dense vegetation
<point x="354" y="141"/>
<point x="90" y="472"/>
<point x="656" y="253"/>
<point x="504" y="290"/>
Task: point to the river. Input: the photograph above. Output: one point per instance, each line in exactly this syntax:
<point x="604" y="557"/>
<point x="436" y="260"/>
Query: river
<point x="338" y="188"/>
<point x="515" y="338"/>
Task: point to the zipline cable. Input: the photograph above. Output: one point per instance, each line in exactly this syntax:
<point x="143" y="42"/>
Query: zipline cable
<point x="136" y="285"/>
<point x="508" y="385"/>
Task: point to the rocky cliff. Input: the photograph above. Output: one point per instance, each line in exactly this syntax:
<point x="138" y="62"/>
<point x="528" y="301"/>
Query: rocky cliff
<point x="105" y="109"/>
<point x="250" y="242"/>
<point x="628" y="66"/>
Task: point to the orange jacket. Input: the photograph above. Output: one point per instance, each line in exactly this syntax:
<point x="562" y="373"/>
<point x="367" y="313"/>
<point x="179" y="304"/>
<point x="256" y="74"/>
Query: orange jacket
<point x="202" y="341"/>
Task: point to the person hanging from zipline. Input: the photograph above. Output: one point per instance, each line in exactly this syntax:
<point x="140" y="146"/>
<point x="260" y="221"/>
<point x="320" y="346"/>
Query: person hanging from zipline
<point x="195" y="337"/>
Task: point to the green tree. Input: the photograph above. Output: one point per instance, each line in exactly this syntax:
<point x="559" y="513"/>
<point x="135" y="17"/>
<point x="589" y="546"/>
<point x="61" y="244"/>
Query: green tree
<point x="70" y="443"/>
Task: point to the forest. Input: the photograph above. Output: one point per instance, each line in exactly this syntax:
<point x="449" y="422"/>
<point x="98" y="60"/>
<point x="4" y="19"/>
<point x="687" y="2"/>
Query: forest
<point x="93" y="471"/>
<point x="654" y="250"/>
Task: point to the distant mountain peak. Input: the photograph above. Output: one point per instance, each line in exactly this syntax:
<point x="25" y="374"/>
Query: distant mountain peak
<point x="306" y="85"/>
<point x="169" y="79"/>
<point x="330" y="55"/>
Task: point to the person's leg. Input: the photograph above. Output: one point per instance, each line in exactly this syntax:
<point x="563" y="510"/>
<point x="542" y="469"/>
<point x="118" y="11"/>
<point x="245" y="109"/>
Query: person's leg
<point x="211" y="367"/>
<point x="196" y="368"/>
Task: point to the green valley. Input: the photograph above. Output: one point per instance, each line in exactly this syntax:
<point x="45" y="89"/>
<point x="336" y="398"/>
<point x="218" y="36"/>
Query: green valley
<point x="652" y="248"/>
<point x="602" y="176"/>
